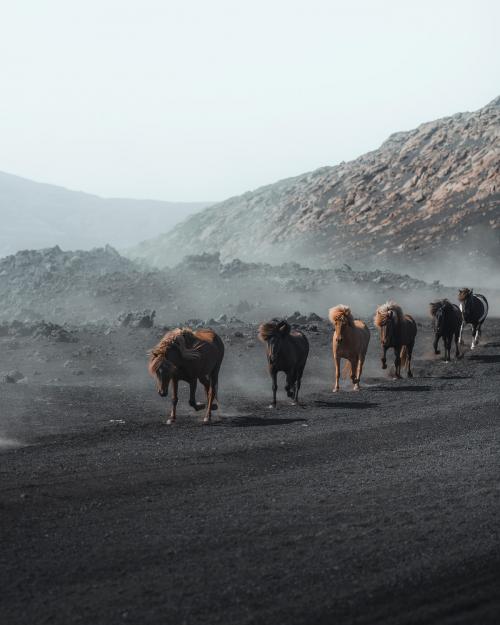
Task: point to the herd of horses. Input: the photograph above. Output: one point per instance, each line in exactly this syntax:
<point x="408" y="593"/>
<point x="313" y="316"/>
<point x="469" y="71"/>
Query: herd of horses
<point x="196" y="356"/>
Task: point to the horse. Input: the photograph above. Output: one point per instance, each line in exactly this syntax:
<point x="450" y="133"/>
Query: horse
<point x="188" y="355"/>
<point x="350" y="341"/>
<point x="447" y="321"/>
<point x="398" y="331"/>
<point x="474" y="307"/>
<point x="287" y="351"/>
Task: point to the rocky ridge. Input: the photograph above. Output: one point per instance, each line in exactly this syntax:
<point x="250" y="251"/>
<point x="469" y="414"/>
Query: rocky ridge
<point x="422" y="192"/>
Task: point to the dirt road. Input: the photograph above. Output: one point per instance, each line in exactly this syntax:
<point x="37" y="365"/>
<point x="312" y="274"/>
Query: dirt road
<point x="374" y="507"/>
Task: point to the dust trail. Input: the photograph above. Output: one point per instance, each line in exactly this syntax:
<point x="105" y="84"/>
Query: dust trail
<point x="9" y="443"/>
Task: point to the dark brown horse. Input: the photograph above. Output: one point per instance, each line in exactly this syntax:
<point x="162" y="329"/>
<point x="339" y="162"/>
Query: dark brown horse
<point x="188" y="355"/>
<point x="447" y="321"/>
<point x="287" y="351"/>
<point x="398" y="331"/>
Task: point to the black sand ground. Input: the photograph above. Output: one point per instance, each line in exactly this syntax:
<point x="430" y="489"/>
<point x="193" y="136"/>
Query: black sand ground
<point x="373" y="507"/>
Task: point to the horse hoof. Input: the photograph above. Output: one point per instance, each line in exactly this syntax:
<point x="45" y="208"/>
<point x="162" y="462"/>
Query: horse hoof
<point x="206" y="421"/>
<point x="384" y="366"/>
<point x="356" y="387"/>
<point x="410" y="374"/>
<point x="170" y="421"/>
<point x="438" y="351"/>
<point x="272" y="406"/>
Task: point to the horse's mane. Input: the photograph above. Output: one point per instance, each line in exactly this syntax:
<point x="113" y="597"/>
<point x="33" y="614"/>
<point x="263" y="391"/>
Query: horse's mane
<point x="382" y="312"/>
<point x="464" y="294"/>
<point x="159" y="351"/>
<point x="341" y="311"/>
<point x="273" y="328"/>
<point x="435" y="306"/>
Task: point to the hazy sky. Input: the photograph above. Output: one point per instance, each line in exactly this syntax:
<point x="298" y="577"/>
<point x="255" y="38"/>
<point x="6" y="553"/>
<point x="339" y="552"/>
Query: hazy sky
<point x="200" y="100"/>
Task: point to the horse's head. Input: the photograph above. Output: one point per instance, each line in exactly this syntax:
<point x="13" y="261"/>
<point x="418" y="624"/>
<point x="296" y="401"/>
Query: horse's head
<point x="274" y="334"/>
<point x="465" y="299"/>
<point x="439" y="311"/>
<point x="340" y="324"/>
<point x="169" y="356"/>
<point x="388" y="318"/>
<point x="340" y="317"/>
<point x="388" y="328"/>
<point x="164" y="373"/>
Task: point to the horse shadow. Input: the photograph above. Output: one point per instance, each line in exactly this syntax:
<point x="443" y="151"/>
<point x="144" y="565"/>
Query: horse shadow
<point x="249" y="421"/>
<point x="354" y="405"/>
<point x="417" y="388"/>
<point x="485" y="357"/>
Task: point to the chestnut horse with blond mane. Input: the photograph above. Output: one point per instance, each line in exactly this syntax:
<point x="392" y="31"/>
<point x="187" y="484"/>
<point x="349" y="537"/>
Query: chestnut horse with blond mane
<point x="398" y="331"/>
<point x="188" y="355"/>
<point x="350" y="341"/>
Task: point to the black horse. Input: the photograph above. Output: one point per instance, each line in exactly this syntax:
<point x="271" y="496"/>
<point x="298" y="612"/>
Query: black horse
<point x="287" y="351"/>
<point x="474" y="309"/>
<point x="447" y="320"/>
<point x="398" y="331"/>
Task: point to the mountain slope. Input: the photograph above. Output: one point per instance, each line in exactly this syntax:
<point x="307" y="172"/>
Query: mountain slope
<point x="421" y="192"/>
<point x="36" y="215"/>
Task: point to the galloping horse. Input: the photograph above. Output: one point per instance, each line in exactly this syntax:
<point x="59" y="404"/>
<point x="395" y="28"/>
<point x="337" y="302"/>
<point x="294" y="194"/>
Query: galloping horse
<point x="398" y="331"/>
<point x="474" y="309"/>
<point x="447" y="320"/>
<point x="184" y="354"/>
<point x="287" y="351"/>
<point x="350" y="341"/>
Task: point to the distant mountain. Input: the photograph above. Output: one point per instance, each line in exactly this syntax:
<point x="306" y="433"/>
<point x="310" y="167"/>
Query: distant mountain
<point x="36" y="215"/>
<point x="425" y="191"/>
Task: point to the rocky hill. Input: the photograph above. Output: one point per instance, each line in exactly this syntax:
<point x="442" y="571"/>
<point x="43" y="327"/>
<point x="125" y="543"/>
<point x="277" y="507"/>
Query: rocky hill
<point x="35" y="215"/>
<point x="422" y="192"/>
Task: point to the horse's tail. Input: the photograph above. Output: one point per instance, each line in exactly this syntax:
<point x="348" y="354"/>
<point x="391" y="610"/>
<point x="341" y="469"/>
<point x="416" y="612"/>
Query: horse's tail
<point x="404" y="355"/>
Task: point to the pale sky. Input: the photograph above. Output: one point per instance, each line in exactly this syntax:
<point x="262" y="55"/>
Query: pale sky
<point x="201" y="100"/>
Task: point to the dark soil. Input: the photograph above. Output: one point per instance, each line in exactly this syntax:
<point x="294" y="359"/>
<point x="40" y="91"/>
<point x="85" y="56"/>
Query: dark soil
<point x="373" y="507"/>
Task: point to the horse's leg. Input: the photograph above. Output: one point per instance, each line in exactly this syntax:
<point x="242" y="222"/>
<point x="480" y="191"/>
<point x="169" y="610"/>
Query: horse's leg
<point x="354" y="367"/>
<point x="397" y="362"/>
<point x="460" y="339"/>
<point x="175" y="399"/>
<point x="384" y="357"/>
<point x="192" y="396"/>
<point x="447" y="348"/>
<point x="435" y="344"/>
<point x="474" y="336"/>
<point x="297" y="385"/>
<point x="215" y="378"/>
<point x="274" y="377"/>
<point x="290" y="383"/>
<point x="337" y="374"/>
<point x="457" y="350"/>
<point x="478" y="334"/>
<point x="409" y="372"/>
<point x="210" y="397"/>
<point x="358" y="373"/>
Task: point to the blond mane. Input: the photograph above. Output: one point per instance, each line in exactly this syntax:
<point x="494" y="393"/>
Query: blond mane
<point x="337" y="313"/>
<point x="383" y="311"/>
<point x="159" y="352"/>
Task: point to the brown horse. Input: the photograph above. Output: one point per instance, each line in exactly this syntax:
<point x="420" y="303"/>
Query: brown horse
<point x="350" y="341"/>
<point x="287" y="351"/>
<point x="398" y="331"/>
<point x="184" y="354"/>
